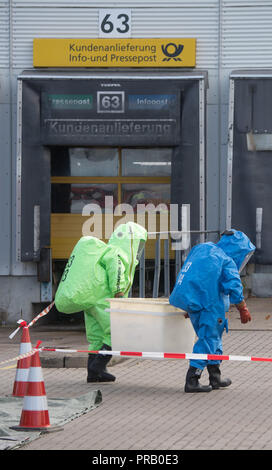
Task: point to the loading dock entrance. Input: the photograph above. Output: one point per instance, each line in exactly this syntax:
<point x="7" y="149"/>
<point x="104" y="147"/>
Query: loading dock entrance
<point x="105" y="139"/>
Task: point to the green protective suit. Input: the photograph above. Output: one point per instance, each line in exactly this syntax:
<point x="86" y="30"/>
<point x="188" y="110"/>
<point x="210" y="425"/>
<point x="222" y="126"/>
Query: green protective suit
<point x="97" y="271"/>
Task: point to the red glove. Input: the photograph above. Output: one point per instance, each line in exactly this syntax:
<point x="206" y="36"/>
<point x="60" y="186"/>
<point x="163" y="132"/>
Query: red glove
<point x="118" y="295"/>
<point x="244" y="312"/>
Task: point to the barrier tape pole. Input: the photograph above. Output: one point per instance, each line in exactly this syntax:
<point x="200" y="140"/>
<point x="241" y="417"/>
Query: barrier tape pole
<point x="161" y="355"/>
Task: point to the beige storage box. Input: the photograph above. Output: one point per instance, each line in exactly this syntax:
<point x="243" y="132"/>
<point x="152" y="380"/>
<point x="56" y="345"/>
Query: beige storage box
<point x="149" y="325"/>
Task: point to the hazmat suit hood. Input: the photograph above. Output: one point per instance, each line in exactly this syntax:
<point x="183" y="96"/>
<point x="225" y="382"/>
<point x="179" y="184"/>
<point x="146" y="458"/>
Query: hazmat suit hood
<point x="129" y="240"/>
<point x="237" y="246"/>
<point x="209" y="280"/>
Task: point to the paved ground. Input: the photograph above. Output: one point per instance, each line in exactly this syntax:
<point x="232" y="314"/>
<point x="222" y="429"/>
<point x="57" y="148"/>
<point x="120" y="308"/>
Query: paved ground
<point x="146" y="408"/>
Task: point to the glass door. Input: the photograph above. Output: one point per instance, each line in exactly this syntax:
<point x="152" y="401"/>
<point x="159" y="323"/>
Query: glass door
<point x="87" y="175"/>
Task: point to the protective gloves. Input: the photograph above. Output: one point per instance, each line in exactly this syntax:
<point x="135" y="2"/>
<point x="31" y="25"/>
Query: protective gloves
<point x="119" y="294"/>
<point x="244" y="312"/>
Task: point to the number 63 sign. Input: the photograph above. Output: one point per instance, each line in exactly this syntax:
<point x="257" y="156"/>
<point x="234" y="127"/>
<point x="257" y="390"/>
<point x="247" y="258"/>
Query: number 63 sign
<point x="114" y="23"/>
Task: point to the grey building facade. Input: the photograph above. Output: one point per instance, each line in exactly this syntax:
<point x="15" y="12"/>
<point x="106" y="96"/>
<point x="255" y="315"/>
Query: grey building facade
<point x="232" y="76"/>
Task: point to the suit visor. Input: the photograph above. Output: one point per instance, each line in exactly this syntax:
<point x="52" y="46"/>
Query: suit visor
<point x="140" y="249"/>
<point x="246" y="260"/>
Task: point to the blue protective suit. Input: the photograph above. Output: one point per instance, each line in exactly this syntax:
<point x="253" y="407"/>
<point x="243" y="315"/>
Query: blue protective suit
<point x="206" y="285"/>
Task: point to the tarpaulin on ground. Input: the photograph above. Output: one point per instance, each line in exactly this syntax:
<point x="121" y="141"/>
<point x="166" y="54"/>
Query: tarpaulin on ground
<point x="61" y="411"/>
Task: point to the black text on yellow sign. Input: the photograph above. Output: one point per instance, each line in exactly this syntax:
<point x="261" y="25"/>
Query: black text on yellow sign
<point x="163" y="52"/>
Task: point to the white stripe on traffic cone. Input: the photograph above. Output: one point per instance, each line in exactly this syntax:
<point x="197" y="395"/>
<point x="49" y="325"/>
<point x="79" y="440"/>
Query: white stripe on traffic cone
<point x="35" y="416"/>
<point x="21" y="377"/>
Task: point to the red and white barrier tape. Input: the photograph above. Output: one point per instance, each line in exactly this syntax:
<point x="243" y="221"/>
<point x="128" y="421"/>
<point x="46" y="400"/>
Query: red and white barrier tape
<point x="22" y="356"/>
<point x="161" y="355"/>
<point x="23" y="323"/>
<point x="145" y="355"/>
<point x="42" y="314"/>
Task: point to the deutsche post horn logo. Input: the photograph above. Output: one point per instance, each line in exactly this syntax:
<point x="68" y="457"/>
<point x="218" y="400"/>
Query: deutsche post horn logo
<point x="172" y="51"/>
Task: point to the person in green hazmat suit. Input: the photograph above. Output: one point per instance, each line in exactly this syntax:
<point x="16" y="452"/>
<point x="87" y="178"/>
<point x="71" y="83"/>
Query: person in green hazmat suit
<point x="95" y="272"/>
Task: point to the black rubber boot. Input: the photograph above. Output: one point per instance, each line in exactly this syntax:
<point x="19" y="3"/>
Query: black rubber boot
<point x="91" y="359"/>
<point x="215" y="377"/>
<point x="97" y="371"/>
<point x="192" y="384"/>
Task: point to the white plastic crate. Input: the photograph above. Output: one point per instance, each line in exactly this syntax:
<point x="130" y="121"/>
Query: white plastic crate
<point x="149" y="325"/>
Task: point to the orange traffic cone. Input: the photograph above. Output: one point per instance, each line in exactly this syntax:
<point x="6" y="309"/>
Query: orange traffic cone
<point x="35" y="416"/>
<point x="20" y="383"/>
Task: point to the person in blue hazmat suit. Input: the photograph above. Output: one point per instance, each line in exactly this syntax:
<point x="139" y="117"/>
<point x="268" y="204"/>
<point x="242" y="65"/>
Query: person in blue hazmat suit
<point x="206" y="285"/>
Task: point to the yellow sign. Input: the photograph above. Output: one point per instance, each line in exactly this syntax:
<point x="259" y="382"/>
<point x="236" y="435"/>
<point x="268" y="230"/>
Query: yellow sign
<point x="163" y="52"/>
